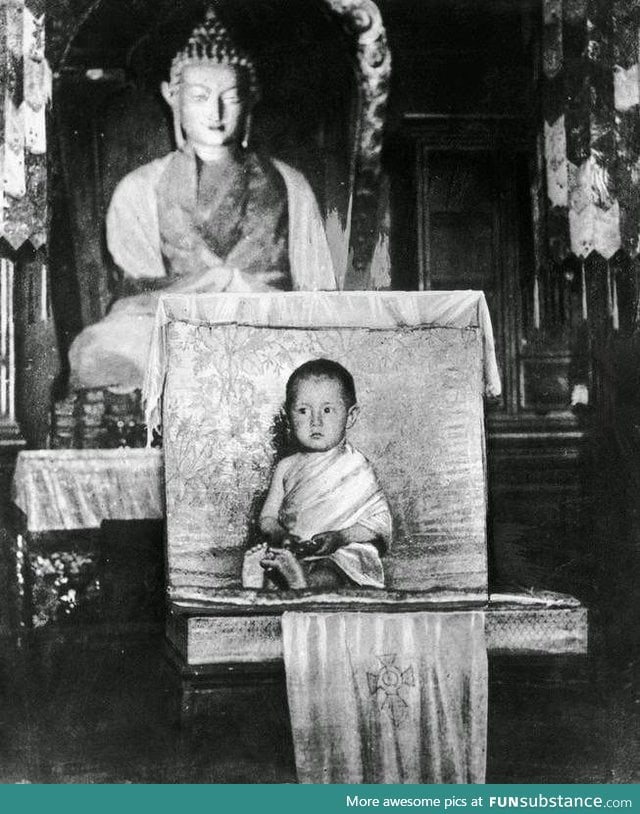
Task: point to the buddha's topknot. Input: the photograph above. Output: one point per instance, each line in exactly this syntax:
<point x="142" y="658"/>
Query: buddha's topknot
<point x="210" y="43"/>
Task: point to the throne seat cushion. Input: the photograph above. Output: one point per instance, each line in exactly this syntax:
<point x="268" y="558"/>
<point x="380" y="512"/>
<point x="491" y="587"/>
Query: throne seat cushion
<point x="241" y="627"/>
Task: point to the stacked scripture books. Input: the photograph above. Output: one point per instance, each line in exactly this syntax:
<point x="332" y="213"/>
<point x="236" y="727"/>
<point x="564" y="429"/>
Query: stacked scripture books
<point x="89" y="412"/>
<point x="98" y="418"/>
<point x="63" y="424"/>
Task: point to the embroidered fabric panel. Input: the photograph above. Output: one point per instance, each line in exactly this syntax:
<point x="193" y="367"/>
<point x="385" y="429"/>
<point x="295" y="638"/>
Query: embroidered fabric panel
<point x="387" y="698"/>
<point x="421" y="426"/>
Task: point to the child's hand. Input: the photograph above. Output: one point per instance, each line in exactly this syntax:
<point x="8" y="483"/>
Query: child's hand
<point x="301" y="548"/>
<point x="327" y="542"/>
<point x="291" y="543"/>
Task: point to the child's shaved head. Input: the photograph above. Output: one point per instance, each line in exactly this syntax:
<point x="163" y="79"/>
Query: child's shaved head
<point x="323" y="369"/>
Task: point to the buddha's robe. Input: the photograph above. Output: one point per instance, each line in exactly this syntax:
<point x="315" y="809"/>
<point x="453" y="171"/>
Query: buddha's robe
<point x="177" y="225"/>
<point x="229" y="212"/>
<point x="332" y="491"/>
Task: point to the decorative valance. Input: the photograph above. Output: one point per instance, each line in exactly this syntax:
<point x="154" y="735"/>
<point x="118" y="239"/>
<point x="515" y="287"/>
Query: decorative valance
<point x="25" y="90"/>
<point x="591" y="103"/>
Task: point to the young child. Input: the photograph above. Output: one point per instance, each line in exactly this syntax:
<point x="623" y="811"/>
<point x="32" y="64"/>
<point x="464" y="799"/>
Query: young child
<point x="325" y="515"/>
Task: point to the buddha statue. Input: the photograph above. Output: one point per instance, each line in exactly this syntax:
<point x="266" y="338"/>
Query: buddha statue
<point x="211" y="216"/>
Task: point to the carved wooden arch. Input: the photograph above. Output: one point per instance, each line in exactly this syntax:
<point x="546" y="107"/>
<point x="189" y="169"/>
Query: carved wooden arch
<point x="363" y="21"/>
<point x="64" y="20"/>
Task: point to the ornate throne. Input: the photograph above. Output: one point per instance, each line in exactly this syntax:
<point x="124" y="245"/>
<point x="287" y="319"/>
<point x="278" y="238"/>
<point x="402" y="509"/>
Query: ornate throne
<point x="423" y="363"/>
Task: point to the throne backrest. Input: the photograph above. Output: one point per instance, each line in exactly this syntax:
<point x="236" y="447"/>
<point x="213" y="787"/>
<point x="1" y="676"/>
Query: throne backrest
<point x="421" y="362"/>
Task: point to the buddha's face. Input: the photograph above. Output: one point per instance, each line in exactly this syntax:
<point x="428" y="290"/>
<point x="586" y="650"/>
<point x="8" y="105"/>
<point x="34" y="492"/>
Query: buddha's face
<point x="211" y="106"/>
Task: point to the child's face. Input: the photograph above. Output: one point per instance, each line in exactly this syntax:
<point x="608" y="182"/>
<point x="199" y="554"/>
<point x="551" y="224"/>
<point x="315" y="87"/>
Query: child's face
<point x="318" y="414"/>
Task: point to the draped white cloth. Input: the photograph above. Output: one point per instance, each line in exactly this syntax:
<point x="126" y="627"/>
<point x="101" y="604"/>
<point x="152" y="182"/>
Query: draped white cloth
<point x="79" y="488"/>
<point x="387" y="698"/>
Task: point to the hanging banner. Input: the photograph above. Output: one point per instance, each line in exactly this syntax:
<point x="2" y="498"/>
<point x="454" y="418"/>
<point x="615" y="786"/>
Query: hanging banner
<point x="25" y="92"/>
<point x="591" y="103"/>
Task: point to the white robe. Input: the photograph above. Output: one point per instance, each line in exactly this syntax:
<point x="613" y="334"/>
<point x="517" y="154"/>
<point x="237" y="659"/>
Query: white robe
<point x="332" y="491"/>
<point x="117" y="347"/>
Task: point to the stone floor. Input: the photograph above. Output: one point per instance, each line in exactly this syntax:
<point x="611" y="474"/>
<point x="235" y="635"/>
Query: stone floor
<point x="100" y="705"/>
<point x="97" y="701"/>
